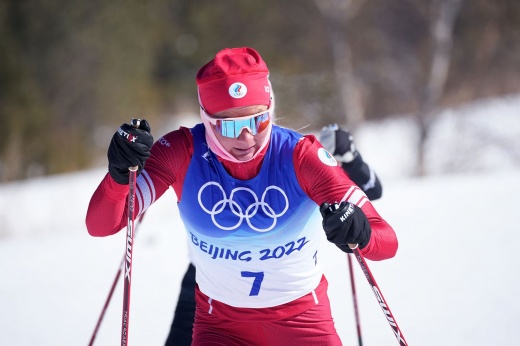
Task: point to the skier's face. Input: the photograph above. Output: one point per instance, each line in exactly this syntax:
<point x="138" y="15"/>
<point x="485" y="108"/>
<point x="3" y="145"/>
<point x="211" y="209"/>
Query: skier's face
<point x="246" y="144"/>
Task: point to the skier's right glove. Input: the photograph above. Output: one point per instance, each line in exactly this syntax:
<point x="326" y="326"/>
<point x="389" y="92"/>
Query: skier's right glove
<point x="339" y="143"/>
<point x="344" y="224"/>
<point x="130" y="146"/>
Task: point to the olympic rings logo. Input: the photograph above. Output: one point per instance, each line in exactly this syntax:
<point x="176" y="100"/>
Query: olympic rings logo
<point x="247" y="214"/>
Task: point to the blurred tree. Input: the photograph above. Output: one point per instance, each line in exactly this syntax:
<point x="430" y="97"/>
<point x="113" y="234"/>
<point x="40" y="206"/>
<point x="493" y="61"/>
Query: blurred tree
<point x="445" y="13"/>
<point x="337" y="14"/>
<point x="71" y="71"/>
<point x="68" y="69"/>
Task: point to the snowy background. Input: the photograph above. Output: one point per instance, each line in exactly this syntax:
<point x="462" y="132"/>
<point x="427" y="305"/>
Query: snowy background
<point x="454" y="280"/>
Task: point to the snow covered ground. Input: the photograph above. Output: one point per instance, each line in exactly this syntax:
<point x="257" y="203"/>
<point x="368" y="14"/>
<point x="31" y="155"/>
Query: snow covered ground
<point x="454" y="280"/>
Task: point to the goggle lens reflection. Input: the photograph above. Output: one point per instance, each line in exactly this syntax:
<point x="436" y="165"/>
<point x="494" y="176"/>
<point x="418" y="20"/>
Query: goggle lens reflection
<point x="232" y="127"/>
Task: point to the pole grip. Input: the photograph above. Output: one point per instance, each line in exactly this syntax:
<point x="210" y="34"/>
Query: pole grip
<point x="135" y="122"/>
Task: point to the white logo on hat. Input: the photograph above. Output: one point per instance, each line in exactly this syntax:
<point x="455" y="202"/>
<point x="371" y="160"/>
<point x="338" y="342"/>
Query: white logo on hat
<point x="237" y="90"/>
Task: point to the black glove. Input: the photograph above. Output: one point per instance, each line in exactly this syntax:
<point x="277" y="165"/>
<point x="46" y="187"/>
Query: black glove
<point x="339" y="143"/>
<point x="345" y="224"/>
<point x="130" y="146"/>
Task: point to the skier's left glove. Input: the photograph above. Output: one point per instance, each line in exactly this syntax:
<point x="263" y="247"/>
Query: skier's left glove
<point x="344" y="224"/>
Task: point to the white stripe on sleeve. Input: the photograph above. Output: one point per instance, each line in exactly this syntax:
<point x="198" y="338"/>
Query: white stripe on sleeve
<point x="146" y="191"/>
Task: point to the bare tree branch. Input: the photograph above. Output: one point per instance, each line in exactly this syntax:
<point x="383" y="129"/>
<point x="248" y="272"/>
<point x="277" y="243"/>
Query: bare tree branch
<point x="337" y="14"/>
<point x="442" y="38"/>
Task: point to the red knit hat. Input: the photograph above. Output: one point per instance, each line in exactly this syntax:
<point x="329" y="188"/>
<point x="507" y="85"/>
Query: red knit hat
<point x="236" y="77"/>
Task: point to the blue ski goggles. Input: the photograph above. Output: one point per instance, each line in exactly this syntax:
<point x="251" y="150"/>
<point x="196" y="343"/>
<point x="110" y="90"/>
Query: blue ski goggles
<point x="232" y="127"/>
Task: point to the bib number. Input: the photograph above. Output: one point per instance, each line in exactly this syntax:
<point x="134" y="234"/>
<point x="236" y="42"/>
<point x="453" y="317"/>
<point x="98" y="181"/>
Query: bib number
<point x="257" y="282"/>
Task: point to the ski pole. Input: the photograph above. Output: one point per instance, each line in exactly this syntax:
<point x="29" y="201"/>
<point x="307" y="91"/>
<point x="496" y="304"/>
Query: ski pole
<point x="128" y="263"/>
<point x="94" y="334"/>
<point x="129" y="246"/>
<point x="107" y="302"/>
<point x="354" y="298"/>
<point x="379" y="296"/>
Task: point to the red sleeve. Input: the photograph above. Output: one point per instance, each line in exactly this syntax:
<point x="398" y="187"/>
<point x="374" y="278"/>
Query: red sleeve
<point x="169" y="160"/>
<point x="329" y="183"/>
<point x="107" y="208"/>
